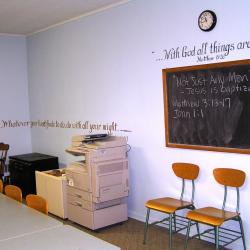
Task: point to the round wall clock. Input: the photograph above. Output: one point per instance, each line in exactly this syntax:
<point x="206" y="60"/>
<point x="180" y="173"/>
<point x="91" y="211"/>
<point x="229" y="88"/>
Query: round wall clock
<point x="207" y="20"/>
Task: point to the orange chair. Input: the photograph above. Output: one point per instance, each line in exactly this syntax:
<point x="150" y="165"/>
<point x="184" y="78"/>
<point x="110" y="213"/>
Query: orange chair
<point x="215" y="217"/>
<point x="13" y="192"/>
<point x="37" y="202"/>
<point x="1" y="186"/>
<point x="169" y="206"/>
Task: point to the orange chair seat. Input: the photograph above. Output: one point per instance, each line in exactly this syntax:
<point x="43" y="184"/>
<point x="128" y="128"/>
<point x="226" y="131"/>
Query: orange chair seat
<point x="210" y="215"/>
<point x="167" y="204"/>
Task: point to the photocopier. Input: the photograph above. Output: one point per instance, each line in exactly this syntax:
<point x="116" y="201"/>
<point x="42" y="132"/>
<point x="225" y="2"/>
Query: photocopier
<point x="97" y="181"/>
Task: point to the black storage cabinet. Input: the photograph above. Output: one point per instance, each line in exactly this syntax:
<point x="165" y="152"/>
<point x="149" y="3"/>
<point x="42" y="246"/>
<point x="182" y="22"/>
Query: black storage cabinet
<point x="22" y="169"/>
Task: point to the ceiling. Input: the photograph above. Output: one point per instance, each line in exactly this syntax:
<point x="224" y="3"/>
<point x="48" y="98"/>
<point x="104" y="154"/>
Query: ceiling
<point x="25" y="17"/>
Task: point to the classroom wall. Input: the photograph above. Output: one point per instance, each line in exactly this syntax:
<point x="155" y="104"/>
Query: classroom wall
<point x="14" y="94"/>
<point x="106" y="69"/>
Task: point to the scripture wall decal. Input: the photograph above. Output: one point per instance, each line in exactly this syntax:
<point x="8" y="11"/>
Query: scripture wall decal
<point x="205" y="52"/>
<point x="91" y="127"/>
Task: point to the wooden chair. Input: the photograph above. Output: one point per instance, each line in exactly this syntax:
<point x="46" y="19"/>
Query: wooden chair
<point x="3" y="156"/>
<point x="37" y="202"/>
<point x="13" y="192"/>
<point x="1" y="186"/>
<point x="169" y="206"/>
<point x="215" y="217"/>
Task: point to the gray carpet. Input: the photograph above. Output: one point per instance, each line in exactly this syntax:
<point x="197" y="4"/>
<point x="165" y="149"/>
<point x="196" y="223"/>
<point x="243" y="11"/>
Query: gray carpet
<point x="129" y="236"/>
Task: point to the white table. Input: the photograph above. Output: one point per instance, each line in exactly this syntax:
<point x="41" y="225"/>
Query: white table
<point x="60" y="238"/>
<point x="24" y="228"/>
<point x="17" y="219"/>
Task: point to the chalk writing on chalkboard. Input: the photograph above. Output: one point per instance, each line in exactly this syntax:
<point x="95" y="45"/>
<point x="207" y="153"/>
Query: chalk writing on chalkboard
<point x="208" y="106"/>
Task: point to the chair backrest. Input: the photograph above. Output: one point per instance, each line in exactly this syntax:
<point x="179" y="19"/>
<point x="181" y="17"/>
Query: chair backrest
<point x="186" y="171"/>
<point x="13" y="192"/>
<point x="3" y="156"/>
<point x="229" y="177"/>
<point x="37" y="202"/>
<point x="1" y="186"/>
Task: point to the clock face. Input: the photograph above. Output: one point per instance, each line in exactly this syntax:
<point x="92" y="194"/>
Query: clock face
<point x="207" y="20"/>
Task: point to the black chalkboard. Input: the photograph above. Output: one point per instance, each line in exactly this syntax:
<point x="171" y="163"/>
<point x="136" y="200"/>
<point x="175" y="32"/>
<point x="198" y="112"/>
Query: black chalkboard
<point x="208" y="106"/>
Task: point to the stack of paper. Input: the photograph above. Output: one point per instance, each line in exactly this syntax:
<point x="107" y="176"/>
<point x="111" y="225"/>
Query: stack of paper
<point x="82" y="143"/>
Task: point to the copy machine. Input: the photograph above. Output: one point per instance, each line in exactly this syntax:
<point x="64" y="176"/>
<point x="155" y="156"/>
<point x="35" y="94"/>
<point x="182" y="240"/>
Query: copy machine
<point x="97" y="182"/>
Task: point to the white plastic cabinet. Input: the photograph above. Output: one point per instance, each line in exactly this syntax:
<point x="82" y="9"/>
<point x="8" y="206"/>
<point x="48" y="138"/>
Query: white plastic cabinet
<point x="54" y="190"/>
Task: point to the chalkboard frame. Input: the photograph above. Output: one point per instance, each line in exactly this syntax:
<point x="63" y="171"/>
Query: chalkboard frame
<point x="165" y="73"/>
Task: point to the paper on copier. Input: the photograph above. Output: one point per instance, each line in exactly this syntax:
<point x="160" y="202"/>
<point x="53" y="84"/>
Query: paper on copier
<point x="75" y="150"/>
<point x="78" y="163"/>
<point x="90" y="137"/>
<point x="77" y="143"/>
<point x="110" y="142"/>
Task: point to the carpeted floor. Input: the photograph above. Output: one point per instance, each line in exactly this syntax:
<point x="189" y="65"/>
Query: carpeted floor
<point x="129" y="236"/>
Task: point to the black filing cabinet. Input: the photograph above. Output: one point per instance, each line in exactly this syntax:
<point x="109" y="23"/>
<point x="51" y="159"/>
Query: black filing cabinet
<point x="22" y="169"/>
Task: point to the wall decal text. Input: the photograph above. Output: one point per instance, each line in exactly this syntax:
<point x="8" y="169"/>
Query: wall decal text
<point x="205" y="52"/>
<point x="108" y="127"/>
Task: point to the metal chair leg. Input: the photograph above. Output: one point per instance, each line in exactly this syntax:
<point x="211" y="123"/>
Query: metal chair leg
<point x="170" y="231"/>
<point x="217" y="237"/>
<point x="174" y="216"/>
<point x="198" y="230"/>
<point x="242" y="233"/>
<point x="146" y="226"/>
<point x="187" y="234"/>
